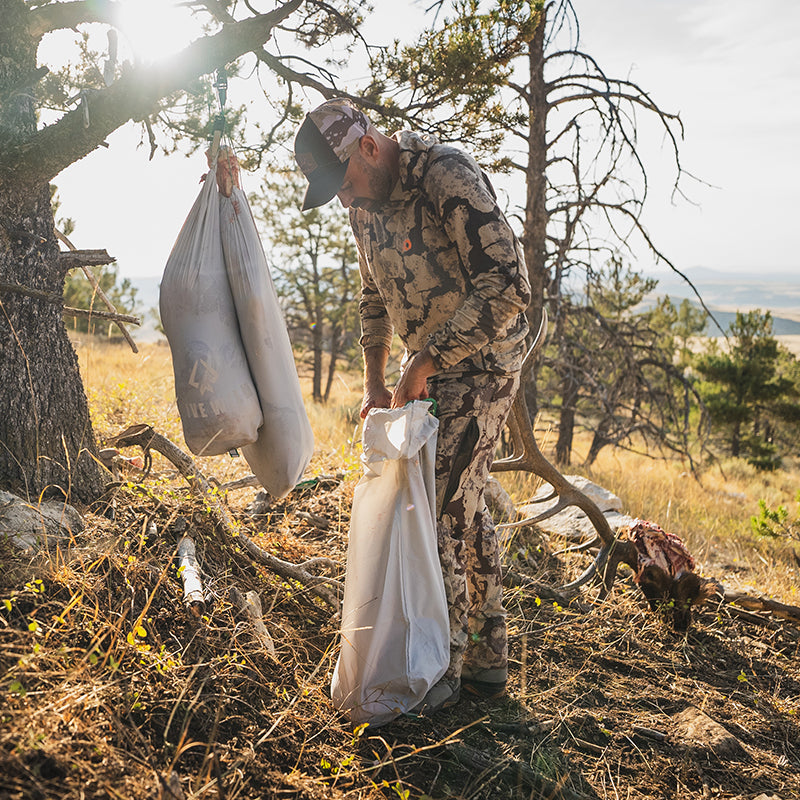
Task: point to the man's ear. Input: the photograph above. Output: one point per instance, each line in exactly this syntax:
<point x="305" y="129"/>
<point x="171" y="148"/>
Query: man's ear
<point x="368" y="147"/>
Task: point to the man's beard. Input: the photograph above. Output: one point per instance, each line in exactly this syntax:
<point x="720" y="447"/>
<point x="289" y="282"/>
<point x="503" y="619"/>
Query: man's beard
<point x="380" y="186"/>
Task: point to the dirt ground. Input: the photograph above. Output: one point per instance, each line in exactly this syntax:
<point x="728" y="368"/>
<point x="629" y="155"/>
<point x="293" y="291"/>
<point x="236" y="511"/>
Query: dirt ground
<point x="111" y="688"/>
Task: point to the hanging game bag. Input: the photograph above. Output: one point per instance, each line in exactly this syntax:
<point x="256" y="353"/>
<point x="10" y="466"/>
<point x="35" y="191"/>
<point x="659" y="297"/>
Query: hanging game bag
<point x="285" y="441"/>
<point x="395" y="634"/>
<point x="217" y="401"/>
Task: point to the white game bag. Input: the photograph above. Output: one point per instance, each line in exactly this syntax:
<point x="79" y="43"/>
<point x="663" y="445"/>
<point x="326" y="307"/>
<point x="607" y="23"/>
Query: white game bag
<point x="217" y="400"/>
<point x="285" y="441"/>
<point x="395" y="634"/>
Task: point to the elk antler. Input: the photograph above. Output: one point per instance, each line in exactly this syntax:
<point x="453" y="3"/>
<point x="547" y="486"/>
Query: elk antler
<point x="528" y="457"/>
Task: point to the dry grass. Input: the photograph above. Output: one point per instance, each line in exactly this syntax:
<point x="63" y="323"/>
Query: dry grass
<point x="109" y="686"/>
<point x="125" y="388"/>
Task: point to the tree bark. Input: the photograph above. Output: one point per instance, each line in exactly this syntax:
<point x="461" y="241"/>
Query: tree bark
<point x="335" y="344"/>
<point x="46" y="437"/>
<point x="535" y="233"/>
<point x="566" y="420"/>
<point x="316" y="348"/>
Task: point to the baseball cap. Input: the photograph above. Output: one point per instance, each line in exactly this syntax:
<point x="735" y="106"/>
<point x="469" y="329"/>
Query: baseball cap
<point x="323" y="145"/>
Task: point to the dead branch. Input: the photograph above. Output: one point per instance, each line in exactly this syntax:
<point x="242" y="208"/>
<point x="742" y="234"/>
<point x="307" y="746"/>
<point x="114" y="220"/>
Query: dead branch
<point x="189" y="571"/>
<point x="143" y="436"/>
<point x="37" y="294"/>
<point x="26" y="291"/>
<point x="87" y="313"/>
<point x="248" y="482"/>
<point x="763" y="604"/>
<point x="95" y="285"/>
<point x="250" y="605"/>
<point x="82" y="258"/>
<point x="514" y="578"/>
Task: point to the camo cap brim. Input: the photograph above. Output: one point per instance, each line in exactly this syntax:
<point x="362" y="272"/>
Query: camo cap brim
<point x="323" y="146"/>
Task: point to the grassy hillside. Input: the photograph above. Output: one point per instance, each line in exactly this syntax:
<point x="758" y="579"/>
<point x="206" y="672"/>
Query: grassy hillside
<point x="111" y="688"/>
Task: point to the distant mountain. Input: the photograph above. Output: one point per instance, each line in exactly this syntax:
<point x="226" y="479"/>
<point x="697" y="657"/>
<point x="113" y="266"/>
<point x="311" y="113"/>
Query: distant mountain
<point x="781" y="326"/>
<point x="761" y="289"/>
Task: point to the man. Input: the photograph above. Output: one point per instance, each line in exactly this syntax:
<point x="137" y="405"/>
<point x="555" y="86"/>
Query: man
<point x="441" y="267"/>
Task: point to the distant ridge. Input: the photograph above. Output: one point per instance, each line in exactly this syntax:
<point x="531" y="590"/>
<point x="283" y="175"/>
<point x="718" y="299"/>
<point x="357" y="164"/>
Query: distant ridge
<point x="781" y="326"/>
<point x="731" y="292"/>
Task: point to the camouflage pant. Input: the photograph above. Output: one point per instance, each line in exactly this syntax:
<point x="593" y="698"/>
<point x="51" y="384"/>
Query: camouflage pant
<point x="472" y="414"/>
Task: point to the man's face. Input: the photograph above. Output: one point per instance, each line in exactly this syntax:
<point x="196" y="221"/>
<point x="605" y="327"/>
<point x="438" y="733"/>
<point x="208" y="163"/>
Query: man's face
<point x="366" y="185"/>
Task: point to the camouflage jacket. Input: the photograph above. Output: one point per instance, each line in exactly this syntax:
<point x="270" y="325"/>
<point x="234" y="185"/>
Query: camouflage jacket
<point x="441" y="266"/>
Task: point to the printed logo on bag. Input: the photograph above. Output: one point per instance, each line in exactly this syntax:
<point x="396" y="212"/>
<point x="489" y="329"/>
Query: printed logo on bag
<point x="203" y="376"/>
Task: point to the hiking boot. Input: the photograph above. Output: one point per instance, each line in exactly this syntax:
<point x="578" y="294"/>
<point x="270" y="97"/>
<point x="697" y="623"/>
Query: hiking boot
<point x="441" y="695"/>
<point x="483" y="690"/>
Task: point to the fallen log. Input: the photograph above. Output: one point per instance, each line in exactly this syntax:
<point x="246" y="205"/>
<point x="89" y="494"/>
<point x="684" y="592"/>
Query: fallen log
<point x="767" y="605"/>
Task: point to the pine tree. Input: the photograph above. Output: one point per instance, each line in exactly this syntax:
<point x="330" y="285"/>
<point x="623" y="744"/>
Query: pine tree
<point x="748" y="389"/>
<point x="498" y="77"/>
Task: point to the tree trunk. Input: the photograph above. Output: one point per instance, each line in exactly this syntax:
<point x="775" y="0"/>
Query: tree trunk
<point x="46" y="437"/>
<point x="316" y="348"/>
<point x="335" y="344"/>
<point x="535" y="234"/>
<point x="736" y="439"/>
<point x="599" y="441"/>
<point x="566" y="422"/>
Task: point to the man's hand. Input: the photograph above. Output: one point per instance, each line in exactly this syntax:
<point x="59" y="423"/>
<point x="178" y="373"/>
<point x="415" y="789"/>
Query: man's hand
<point x="375" y="397"/>
<point x="413" y="383"/>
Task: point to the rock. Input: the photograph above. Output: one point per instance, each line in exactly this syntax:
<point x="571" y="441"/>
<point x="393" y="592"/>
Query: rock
<point x="35" y="526"/>
<point x="699" y="729"/>
<point x="572" y="523"/>
<point x="603" y="499"/>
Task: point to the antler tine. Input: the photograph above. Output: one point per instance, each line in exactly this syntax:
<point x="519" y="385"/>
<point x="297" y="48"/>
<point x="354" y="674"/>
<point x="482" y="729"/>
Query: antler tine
<point x="550" y="512"/>
<point x="541" y="335"/>
<point x="531" y="459"/>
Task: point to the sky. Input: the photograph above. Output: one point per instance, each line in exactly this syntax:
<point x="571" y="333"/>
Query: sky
<point x="729" y="67"/>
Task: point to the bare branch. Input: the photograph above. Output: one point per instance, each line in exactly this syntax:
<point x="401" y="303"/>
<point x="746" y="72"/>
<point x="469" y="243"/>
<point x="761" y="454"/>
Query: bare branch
<point x="84" y="258"/>
<point x="44" y="154"/>
<point x="57" y="16"/>
<point x="47" y="297"/>
<point x="110" y="316"/>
